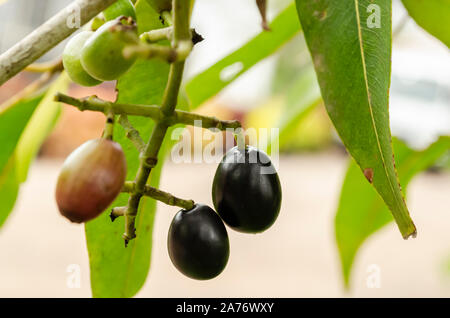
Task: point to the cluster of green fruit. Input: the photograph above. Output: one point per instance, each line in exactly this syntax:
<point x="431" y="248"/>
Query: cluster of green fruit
<point x="93" y="57"/>
<point x="246" y="198"/>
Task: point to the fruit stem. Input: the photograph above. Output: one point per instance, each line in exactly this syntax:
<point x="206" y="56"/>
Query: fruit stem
<point x="160" y="195"/>
<point x="240" y="139"/>
<point x="116" y="212"/>
<point x="132" y="133"/>
<point x="149" y="51"/>
<point x="157" y="35"/>
<point x="166" y="16"/>
<point x="109" y="126"/>
<point x="149" y="158"/>
<point x="177" y="117"/>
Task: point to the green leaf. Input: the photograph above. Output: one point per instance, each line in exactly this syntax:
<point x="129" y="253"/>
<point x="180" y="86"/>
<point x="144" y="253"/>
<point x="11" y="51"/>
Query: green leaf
<point x="117" y="271"/>
<point x="39" y="126"/>
<point x="9" y="188"/>
<point x="13" y="121"/>
<point x="432" y="15"/>
<point x="361" y="211"/>
<point x="23" y="128"/>
<point x="211" y="81"/>
<point x="352" y="63"/>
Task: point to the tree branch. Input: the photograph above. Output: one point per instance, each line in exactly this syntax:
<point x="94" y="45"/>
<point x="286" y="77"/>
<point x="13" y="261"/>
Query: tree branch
<point x="48" y="36"/>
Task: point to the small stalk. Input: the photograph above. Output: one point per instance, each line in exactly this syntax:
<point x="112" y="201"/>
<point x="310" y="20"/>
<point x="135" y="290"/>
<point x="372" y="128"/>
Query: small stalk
<point x="157" y="35"/>
<point x="160" y="195"/>
<point x="149" y="158"/>
<point x="93" y="103"/>
<point x="149" y="51"/>
<point x="240" y="138"/>
<point x="109" y="126"/>
<point x="131" y="133"/>
<point x="166" y="16"/>
<point x="116" y="212"/>
<point x="152" y="111"/>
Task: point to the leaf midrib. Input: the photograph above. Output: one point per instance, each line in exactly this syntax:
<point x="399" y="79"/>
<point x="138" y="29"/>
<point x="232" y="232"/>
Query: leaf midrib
<point x="366" y="82"/>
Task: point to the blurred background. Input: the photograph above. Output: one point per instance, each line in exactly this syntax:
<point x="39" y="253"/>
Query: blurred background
<point x="298" y="256"/>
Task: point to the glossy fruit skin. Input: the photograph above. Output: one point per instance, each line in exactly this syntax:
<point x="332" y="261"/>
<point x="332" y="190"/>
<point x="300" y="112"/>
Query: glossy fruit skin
<point x="102" y="55"/>
<point x="72" y="63"/>
<point x="120" y="8"/>
<point x="160" y="5"/>
<point x="246" y="190"/>
<point x="198" y="243"/>
<point x="90" y="179"/>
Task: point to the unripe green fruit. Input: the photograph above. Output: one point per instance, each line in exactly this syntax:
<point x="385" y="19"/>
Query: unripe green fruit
<point x="72" y="63"/>
<point x="160" y="5"/>
<point x="120" y="8"/>
<point x="198" y="243"/>
<point x="246" y="190"/>
<point x="90" y="179"/>
<point x="102" y="54"/>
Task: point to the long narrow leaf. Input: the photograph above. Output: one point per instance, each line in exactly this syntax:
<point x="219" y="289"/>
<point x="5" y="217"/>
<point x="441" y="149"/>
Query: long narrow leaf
<point x="361" y="211"/>
<point x="211" y="81"/>
<point x="351" y="54"/>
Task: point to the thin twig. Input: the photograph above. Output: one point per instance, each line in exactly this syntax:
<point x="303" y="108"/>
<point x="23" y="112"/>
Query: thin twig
<point x="149" y="51"/>
<point x="160" y="195"/>
<point x="177" y="117"/>
<point x="131" y="133"/>
<point x="157" y="35"/>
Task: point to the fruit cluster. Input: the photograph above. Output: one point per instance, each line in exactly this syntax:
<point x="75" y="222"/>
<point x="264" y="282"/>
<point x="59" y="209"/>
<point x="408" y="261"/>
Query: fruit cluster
<point x="247" y="198"/>
<point x="246" y="190"/>
<point x="93" y="57"/>
<point x="246" y="193"/>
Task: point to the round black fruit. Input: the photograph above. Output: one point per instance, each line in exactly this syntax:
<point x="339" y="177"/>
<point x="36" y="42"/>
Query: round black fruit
<point x="246" y="190"/>
<point x="90" y="179"/>
<point x="198" y="243"/>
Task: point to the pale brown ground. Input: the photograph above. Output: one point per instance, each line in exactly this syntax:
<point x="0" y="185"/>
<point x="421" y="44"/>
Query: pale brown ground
<point x="295" y="258"/>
